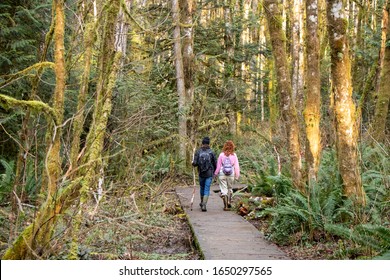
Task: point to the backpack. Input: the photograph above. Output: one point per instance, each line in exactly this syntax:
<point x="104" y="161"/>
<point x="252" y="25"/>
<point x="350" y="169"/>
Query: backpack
<point x="204" y="160"/>
<point x="227" y="167"/>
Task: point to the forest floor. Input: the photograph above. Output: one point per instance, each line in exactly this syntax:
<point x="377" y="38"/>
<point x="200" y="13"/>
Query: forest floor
<point x="135" y="224"/>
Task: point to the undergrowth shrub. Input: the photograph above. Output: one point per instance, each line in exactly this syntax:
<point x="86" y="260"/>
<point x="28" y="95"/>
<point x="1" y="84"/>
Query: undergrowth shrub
<point x="324" y="214"/>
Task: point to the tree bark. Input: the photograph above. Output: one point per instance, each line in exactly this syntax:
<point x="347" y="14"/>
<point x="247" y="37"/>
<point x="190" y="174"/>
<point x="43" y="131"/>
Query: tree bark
<point x="345" y="111"/>
<point x="312" y="112"/>
<point x="382" y="104"/>
<point x="289" y="113"/>
<point x="180" y="82"/>
<point x="53" y="159"/>
<point x="188" y="8"/>
<point x="77" y="129"/>
<point x="229" y="66"/>
<point x="297" y="55"/>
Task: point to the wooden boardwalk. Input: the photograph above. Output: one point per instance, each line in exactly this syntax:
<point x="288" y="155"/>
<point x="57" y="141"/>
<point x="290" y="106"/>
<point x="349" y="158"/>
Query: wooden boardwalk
<point x="224" y="235"/>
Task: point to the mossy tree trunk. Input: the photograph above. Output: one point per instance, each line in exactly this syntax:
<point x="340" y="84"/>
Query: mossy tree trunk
<point x="382" y="50"/>
<point x="180" y="82"/>
<point x="229" y="65"/>
<point x="34" y="241"/>
<point x="77" y="128"/>
<point x="53" y="159"/>
<point x="188" y="8"/>
<point x="312" y="112"/>
<point x="297" y="55"/>
<point x="288" y="110"/>
<point x="344" y="107"/>
<point x="378" y="127"/>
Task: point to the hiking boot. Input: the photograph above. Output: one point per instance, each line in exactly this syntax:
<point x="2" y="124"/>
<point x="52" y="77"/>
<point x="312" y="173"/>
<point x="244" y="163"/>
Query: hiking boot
<point x="201" y="202"/>
<point x="229" y="200"/>
<point x="205" y="198"/>
<point x="225" y="202"/>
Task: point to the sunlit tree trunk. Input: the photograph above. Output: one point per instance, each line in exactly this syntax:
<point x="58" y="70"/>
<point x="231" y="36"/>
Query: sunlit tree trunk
<point x="289" y="114"/>
<point x="53" y="159"/>
<point x="181" y="90"/>
<point x="382" y="104"/>
<point x="246" y="71"/>
<point x="229" y="66"/>
<point x="312" y="112"/>
<point x="297" y="50"/>
<point x="345" y="111"/>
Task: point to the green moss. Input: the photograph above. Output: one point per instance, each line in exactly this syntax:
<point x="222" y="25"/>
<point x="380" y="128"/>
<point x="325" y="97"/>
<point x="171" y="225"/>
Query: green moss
<point x="9" y="103"/>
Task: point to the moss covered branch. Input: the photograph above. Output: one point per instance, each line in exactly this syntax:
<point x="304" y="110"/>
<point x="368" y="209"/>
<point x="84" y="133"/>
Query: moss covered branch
<point x="130" y="16"/>
<point x="212" y="124"/>
<point x="8" y="103"/>
<point x="38" y="66"/>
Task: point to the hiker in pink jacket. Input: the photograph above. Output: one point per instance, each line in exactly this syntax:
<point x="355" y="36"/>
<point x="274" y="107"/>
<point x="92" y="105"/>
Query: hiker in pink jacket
<point x="227" y="170"/>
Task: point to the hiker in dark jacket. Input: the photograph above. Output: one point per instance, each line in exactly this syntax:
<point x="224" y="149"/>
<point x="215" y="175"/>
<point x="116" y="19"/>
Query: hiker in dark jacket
<point x="206" y="162"/>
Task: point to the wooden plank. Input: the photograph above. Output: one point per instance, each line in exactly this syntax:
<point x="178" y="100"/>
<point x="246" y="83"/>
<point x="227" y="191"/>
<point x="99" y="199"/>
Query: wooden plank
<point x="222" y="234"/>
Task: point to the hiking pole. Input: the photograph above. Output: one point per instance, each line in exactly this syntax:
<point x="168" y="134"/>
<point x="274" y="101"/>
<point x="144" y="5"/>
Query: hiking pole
<point x="193" y="191"/>
<point x="193" y="175"/>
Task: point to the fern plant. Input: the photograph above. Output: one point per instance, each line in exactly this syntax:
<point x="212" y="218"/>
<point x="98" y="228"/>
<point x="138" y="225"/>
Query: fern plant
<point x="372" y="238"/>
<point x="158" y="166"/>
<point x="326" y="213"/>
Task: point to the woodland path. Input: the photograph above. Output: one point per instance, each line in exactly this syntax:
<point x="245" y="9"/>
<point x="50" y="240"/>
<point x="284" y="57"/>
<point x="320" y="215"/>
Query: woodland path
<point x="224" y="235"/>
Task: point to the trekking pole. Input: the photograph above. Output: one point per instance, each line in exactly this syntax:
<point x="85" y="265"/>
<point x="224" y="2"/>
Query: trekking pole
<point x="193" y="175"/>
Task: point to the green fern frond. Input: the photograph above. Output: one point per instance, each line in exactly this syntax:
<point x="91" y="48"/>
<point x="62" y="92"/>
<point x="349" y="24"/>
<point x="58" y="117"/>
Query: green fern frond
<point x="23" y="43"/>
<point x="5" y="60"/>
<point x="338" y="230"/>
<point x="384" y="256"/>
<point x="381" y="233"/>
<point x="27" y="13"/>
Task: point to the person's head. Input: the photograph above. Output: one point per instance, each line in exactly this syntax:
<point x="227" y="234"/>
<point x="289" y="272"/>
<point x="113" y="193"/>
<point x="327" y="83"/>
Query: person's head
<point x="206" y="141"/>
<point x="228" y="148"/>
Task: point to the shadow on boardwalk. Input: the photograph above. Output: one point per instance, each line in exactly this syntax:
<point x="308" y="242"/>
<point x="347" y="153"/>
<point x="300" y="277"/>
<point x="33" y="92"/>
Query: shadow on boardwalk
<point x="224" y="235"/>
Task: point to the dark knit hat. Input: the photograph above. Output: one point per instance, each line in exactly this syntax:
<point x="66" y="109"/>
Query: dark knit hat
<point x="206" y="140"/>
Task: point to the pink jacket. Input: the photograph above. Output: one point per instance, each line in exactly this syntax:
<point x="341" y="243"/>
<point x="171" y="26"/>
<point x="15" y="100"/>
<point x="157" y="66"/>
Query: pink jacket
<point x="233" y="159"/>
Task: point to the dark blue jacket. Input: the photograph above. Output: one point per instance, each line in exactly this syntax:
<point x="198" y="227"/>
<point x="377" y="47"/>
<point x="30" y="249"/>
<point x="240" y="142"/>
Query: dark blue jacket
<point x="213" y="158"/>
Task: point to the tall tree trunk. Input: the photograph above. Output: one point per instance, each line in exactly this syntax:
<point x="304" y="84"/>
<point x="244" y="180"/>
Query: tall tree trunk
<point x="297" y="58"/>
<point x="188" y="8"/>
<point x="53" y="159"/>
<point x="89" y="39"/>
<point x="345" y="111"/>
<point x="382" y="104"/>
<point x="33" y="242"/>
<point x="40" y="234"/>
<point x="384" y="31"/>
<point x="312" y="111"/>
<point x="181" y="89"/>
<point x="229" y="66"/>
<point x="289" y="113"/>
